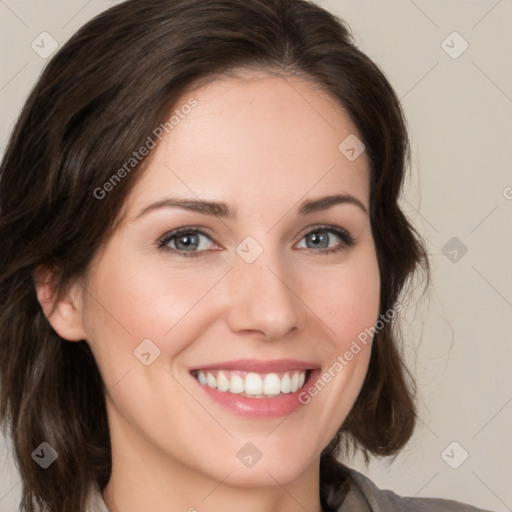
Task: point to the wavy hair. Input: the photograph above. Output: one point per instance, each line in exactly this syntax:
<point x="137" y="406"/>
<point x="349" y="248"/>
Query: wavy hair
<point x="96" y="102"/>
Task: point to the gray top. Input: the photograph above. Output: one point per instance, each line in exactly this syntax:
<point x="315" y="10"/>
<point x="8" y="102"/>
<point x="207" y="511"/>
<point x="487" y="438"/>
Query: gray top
<point x="345" y="490"/>
<point x="367" y="497"/>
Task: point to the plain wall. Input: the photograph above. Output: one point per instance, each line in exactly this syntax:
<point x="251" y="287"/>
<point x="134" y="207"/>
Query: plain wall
<point x="459" y="194"/>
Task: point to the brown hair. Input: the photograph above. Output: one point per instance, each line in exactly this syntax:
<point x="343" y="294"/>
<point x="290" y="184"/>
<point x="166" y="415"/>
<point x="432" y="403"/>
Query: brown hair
<point x="96" y="102"/>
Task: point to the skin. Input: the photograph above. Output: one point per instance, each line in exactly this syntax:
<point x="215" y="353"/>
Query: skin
<point x="262" y="144"/>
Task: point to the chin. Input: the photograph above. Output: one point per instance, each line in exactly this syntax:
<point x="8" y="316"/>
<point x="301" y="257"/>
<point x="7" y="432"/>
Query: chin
<point x="273" y="472"/>
<point x="278" y="464"/>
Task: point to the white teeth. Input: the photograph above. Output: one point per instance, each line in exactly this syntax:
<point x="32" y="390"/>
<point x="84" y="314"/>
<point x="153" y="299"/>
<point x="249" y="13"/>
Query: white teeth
<point x="253" y="384"/>
<point x="201" y="377"/>
<point x="286" y="385"/>
<point x="211" y="381"/>
<point x="222" y="382"/>
<point x="271" y="384"/>
<point x="236" y="384"/>
<point x="295" y="382"/>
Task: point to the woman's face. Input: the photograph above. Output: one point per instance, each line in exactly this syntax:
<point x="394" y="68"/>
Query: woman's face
<point x="267" y="293"/>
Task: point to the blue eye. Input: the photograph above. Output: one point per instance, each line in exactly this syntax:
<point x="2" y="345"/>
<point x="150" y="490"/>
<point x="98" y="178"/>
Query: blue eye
<point x="188" y="242"/>
<point x="185" y="240"/>
<point x="321" y="237"/>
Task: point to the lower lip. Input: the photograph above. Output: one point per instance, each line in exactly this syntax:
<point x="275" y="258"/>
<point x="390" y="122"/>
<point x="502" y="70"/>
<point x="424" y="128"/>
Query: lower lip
<point x="281" y="405"/>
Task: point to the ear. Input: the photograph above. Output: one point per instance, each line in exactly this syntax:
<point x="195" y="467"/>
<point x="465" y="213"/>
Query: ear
<point x="64" y="312"/>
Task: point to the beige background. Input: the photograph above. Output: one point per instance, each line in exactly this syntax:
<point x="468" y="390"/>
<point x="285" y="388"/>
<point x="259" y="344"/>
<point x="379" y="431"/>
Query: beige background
<point x="459" y="111"/>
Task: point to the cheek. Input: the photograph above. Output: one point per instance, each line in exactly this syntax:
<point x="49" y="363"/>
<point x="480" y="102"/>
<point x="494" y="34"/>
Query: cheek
<point x="349" y="308"/>
<point x="350" y="298"/>
<point x="358" y="304"/>
<point x="130" y="301"/>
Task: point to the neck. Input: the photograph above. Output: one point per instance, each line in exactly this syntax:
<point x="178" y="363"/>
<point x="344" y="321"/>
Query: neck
<point x="145" y="478"/>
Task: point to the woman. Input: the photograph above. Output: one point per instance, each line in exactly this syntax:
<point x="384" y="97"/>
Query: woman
<point x="202" y="263"/>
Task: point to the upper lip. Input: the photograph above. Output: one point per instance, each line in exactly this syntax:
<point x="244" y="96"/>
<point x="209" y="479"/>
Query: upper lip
<point x="253" y="365"/>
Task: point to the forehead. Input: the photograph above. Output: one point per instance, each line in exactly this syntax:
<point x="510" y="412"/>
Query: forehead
<point x="258" y="138"/>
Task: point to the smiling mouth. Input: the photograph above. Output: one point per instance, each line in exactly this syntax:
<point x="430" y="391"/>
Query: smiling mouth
<point x="252" y="384"/>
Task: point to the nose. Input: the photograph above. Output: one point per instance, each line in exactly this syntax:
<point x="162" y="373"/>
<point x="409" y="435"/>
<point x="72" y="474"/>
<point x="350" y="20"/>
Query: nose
<point x="265" y="298"/>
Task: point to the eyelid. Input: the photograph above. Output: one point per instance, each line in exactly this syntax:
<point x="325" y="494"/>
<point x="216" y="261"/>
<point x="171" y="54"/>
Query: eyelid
<point x="347" y="238"/>
<point x="164" y="239"/>
<point x="345" y="235"/>
<point x="326" y="227"/>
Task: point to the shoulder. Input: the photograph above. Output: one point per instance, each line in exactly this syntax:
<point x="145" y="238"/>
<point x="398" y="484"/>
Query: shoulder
<point x="344" y="489"/>
<point x="385" y="500"/>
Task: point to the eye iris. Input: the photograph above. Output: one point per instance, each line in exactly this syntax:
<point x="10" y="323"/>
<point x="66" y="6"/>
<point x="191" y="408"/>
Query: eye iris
<point x="321" y="240"/>
<point x="190" y="241"/>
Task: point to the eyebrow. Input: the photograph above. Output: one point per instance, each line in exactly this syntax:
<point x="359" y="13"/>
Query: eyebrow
<point x="219" y="209"/>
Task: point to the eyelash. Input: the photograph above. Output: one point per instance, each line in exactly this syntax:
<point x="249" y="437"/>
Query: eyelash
<point x="346" y="237"/>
